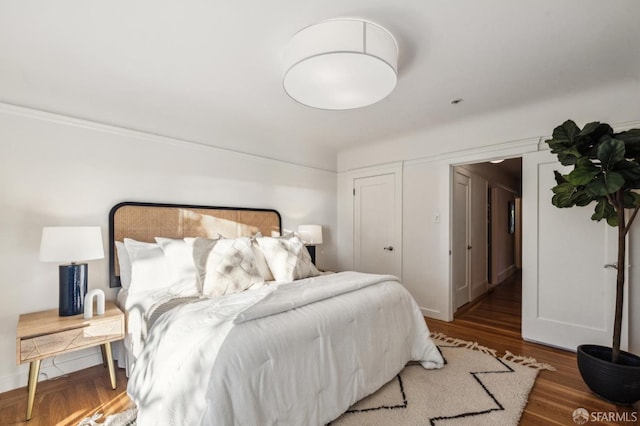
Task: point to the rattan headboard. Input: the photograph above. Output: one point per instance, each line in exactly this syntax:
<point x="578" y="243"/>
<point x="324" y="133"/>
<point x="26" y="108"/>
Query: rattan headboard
<point x="145" y="221"/>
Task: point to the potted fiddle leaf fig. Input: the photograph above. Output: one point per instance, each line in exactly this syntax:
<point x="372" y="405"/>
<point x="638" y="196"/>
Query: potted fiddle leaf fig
<point x="606" y="171"/>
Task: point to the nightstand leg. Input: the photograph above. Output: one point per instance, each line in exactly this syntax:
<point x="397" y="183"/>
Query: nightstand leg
<point x="104" y="356"/>
<point x="34" y="372"/>
<point x="112" y="372"/>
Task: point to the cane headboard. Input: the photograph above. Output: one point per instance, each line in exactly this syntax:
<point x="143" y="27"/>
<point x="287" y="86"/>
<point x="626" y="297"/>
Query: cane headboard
<point x="145" y="221"/>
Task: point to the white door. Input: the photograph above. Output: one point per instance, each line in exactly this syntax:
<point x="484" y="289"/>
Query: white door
<point x="478" y="223"/>
<point x="377" y="225"/>
<point x="460" y="244"/>
<point x="568" y="292"/>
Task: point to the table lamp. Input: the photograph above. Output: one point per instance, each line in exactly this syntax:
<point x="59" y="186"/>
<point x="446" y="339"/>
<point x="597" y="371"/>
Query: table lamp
<point x="311" y="236"/>
<point x="71" y="245"/>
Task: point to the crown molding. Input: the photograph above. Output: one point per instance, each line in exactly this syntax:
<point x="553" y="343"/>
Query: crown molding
<point x="65" y="120"/>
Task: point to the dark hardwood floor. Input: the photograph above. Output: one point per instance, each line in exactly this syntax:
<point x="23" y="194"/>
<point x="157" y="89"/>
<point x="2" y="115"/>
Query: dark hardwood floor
<point x="494" y="322"/>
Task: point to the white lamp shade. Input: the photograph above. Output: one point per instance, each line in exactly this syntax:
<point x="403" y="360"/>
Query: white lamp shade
<point x="71" y="243"/>
<point x="310" y="234"/>
<point x="341" y="64"/>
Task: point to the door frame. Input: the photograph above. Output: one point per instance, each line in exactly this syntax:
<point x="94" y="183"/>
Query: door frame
<point x="511" y="150"/>
<point x="468" y="242"/>
<point x="396" y="231"/>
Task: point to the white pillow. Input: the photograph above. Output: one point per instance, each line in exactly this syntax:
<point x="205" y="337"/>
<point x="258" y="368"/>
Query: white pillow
<point x="261" y="261"/>
<point x="226" y="266"/>
<point x="200" y="249"/>
<point x="124" y="264"/>
<point x="148" y="266"/>
<point x="287" y="257"/>
<point x="182" y="270"/>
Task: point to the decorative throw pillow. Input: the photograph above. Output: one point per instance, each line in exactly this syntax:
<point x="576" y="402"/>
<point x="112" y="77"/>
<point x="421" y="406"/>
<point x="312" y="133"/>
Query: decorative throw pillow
<point x="148" y="266"/>
<point x="124" y="265"/>
<point x="287" y="258"/>
<point x="261" y="261"/>
<point x="182" y="270"/>
<point x="200" y="248"/>
<point x="226" y="266"/>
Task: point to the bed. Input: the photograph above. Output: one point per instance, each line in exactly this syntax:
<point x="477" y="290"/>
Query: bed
<point x="294" y="346"/>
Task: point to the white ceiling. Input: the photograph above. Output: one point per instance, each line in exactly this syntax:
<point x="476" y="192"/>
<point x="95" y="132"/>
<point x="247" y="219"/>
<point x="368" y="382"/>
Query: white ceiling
<point x="210" y="71"/>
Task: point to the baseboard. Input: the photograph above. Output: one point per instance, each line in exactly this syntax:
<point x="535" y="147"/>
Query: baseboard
<point x="433" y="313"/>
<point x="540" y="342"/>
<point x="479" y="289"/>
<point x="53" y="367"/>
<point x="506" y="273"/>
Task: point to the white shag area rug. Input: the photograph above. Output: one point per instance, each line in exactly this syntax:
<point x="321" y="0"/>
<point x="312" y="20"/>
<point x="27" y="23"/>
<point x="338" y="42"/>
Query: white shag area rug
<point x="475" y="387"/>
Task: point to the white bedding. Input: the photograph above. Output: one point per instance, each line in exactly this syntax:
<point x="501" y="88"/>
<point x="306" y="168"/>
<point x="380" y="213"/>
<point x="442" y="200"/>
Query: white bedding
<point x="135" y="306"/>
<point x="299" y="353"/>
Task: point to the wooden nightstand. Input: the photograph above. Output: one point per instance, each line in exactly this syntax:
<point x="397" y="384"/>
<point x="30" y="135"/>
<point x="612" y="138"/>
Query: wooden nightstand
<point x="45" y="334"/>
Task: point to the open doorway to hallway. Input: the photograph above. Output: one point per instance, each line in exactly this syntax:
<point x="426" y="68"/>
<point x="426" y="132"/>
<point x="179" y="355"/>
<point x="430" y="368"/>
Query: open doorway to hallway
<point x="485" y="229"/>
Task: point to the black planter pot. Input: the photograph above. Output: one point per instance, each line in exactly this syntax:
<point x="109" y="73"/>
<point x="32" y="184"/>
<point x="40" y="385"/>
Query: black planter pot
<point x="617" y="383"/>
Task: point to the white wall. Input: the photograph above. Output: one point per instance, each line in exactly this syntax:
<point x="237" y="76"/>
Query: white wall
<point x="425" y="236"/>
<point x="613" y="104"/>
<point x="428" y="155"/>
<point x="60" y="171"/>
<point x="503" y="257"/>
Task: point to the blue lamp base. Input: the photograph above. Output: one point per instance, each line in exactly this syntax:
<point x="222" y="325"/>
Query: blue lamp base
<point x="312" y="253"/>
<point x="73" y="288"/>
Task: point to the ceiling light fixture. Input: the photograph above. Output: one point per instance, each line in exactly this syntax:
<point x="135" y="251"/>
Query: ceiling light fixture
<point x="340" y="64"/>
<point x="497" y="161"/>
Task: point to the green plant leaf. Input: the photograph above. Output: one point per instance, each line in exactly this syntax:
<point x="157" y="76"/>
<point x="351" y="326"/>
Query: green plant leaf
<point x="567" y="130"/>
<point x="631" y="200"/>
<point x="562" y="200"/>
<point x="568" y="157"/>
<point x="582" y="197"/>
<point x="562" y="188"/>
<point x="583" y="172"/>
<point x="631" y="135"/>
<point x="604" y="163"/>
<point x="603" y="210"/>
<point x="581" y="176"/>
<point x="563" y="136"/>
<point x="610" y="152"/>
<point x="563" y="194"/>
<point x="631" y="139"/>
<point x="630" y="171"/>
<point x="606" y="183"/>
<point x="603" y="129"/>
<point x="559" y="178"/>
<point x="586" y="163"/>
<point x="589" y="128"/>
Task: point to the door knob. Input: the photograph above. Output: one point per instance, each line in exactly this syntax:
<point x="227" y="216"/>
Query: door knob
<point x="468" y="247"/>
<point x="611" y="265"/>
<point x="389" y="248"/>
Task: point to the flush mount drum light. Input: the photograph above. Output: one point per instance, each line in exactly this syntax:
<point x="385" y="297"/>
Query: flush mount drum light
<point x="341" y="64"/>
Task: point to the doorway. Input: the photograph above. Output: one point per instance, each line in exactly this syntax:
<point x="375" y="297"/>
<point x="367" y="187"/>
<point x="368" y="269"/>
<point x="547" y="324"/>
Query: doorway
<point x="491" y="228"/>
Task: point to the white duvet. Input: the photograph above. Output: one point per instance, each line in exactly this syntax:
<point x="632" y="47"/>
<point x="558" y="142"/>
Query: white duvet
<point x="296" y="354"/>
